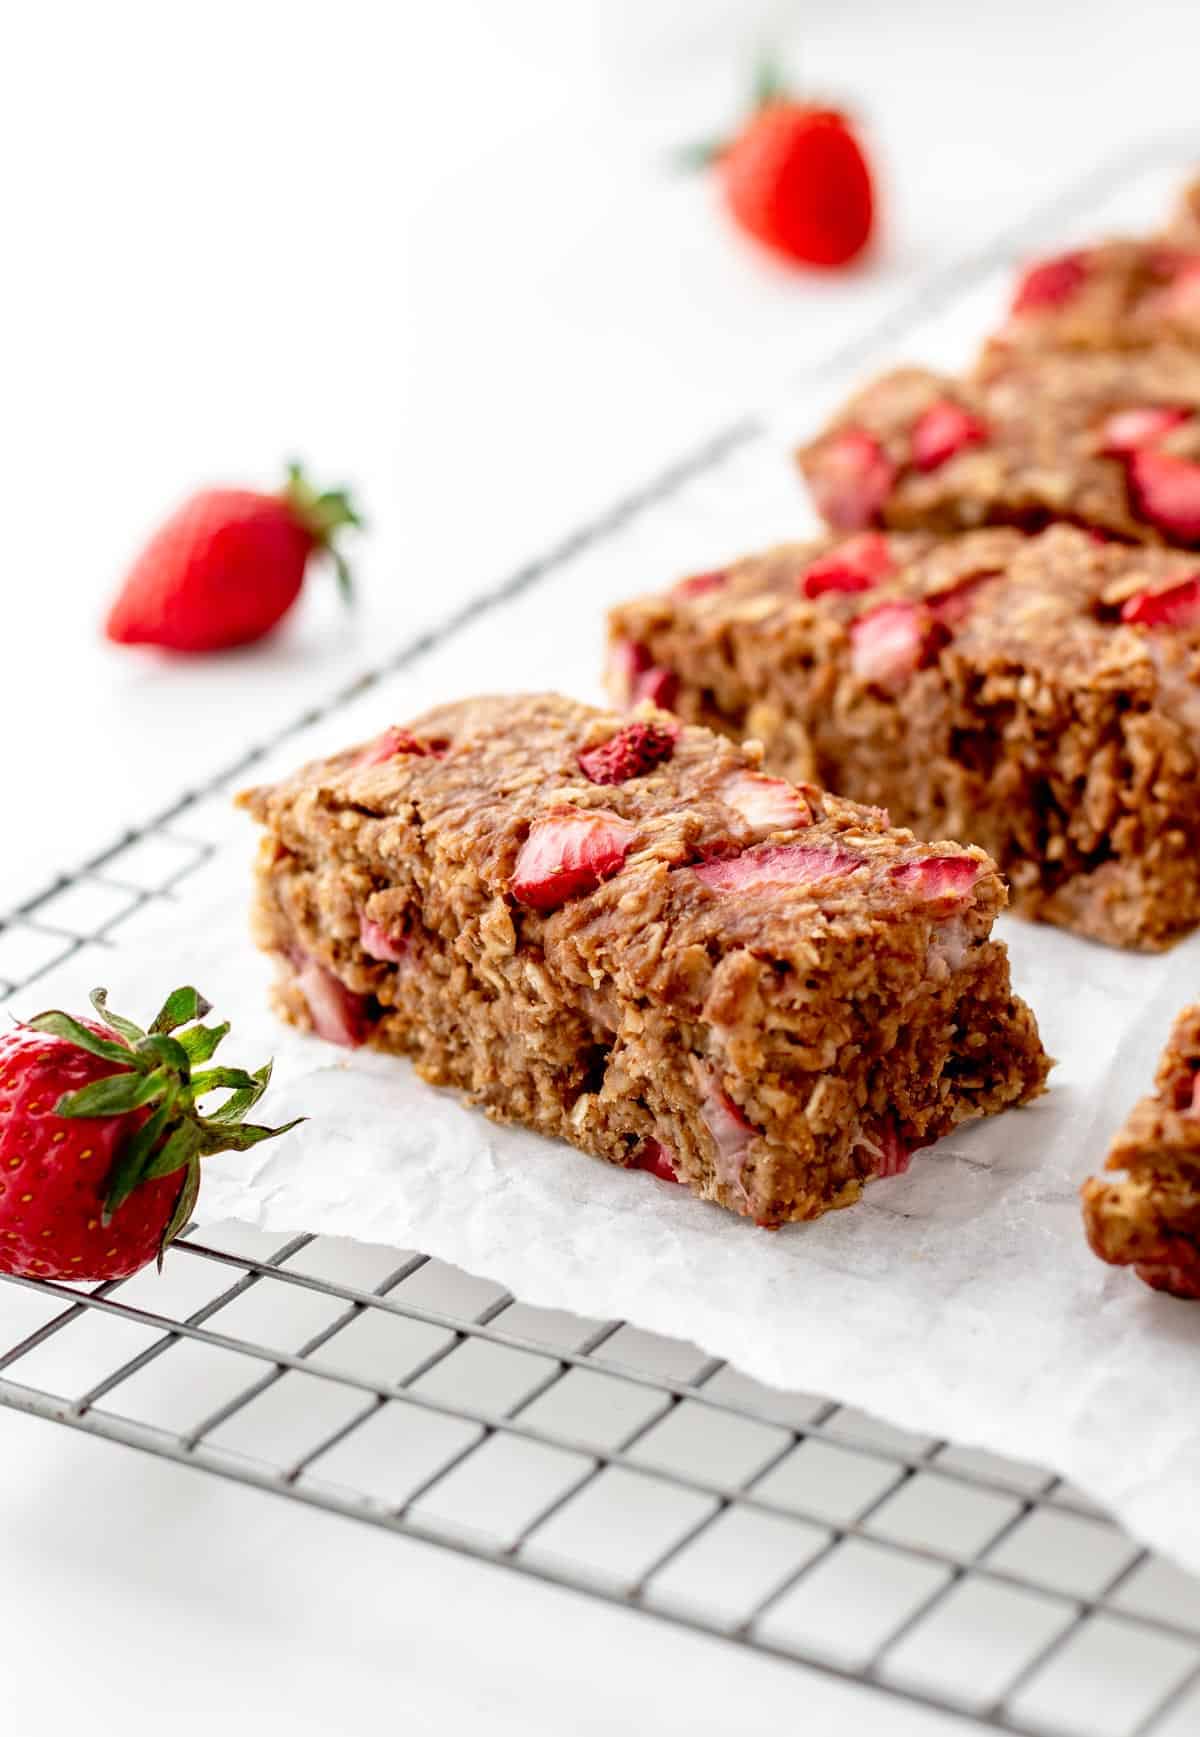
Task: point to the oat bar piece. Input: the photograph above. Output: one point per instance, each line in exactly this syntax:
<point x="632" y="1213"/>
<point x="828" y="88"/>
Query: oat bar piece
<point x="1117" y="295"/>
<point x="1150" y="1219"/>
<point x="624" y="934"/>
<point x="1184" y="226"/>
<point x="1106" y="440"/>
<point x="1035" y="695"/>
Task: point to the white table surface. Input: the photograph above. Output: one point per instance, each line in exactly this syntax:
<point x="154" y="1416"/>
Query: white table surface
<point x="432" y="249"/>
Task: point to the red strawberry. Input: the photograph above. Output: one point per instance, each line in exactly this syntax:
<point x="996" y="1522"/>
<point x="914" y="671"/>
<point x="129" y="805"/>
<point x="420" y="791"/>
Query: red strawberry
<point x="894" y="1157"/>
<point x="1050" y="283"/>
<point x="393" y="741"/>
<point x="1181" y="299"/>
<point x="731" y="1130"/>
<point x="951" y="607"/>
<point x="636" y="749"/>
<point x="378" y="943"/>
<point x="851" y="480"/>
<point x="634" y="676"/>
<point x="227" y="566"/>
<point x="777" y="865"/>
<point x="942" y="431"/>
<point x="658" y="1159"/>
<point x="888" y="643"/>
<point x="770" y="804"/>
<point x="101" y="1139"/>
<point x="1126" y="431"/>
<point x="938" y="877"/>
<point x="855" y="565"/>
<point x="700" y="584"/>
<point x="1167" y="492"/>
<point x="796" y="179"/>
<point x="337" y="1013"/>
<point x="568" y="853"/>
<point x="659" y="686"/>
<point x="1177" y="606"/>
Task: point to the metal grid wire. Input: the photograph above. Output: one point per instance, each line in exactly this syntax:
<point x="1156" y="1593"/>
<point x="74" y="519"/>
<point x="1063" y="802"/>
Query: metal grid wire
<point x="399" y="1391"/>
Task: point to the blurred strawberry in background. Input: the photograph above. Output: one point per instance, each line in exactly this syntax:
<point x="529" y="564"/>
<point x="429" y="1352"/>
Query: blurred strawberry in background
<point x="228" y="564"/>
<point x="796" y="178"/>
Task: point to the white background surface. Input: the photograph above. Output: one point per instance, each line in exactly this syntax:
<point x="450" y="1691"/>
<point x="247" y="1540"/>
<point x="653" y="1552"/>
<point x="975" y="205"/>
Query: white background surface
<point x="433" y="250"/>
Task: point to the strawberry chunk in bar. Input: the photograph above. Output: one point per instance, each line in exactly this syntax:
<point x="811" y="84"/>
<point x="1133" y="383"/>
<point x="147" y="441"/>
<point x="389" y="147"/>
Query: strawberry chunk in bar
<point x="625" y="934"/>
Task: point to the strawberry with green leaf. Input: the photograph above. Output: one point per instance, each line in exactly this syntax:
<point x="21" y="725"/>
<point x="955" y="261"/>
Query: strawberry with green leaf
<point x="102" y="1135"/>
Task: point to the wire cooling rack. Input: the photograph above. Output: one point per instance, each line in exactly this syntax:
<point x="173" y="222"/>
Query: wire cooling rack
<point x="399" y="1391"/>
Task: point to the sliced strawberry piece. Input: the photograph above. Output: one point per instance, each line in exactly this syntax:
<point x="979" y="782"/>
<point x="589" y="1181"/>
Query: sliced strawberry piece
<point x="895" y="1157"/>
<point x="659" y="686"/>
<point x="377" y="943"/>
<point x="700" y="584"/>
<point x="887" y="644"/>
<point x="636" y="749"/>
<point x="569" y="853"/>
<point x="338" y="1015"/>
<point x="1126" y="431"/>
<point x="1050" y="283"/>
<point x="777" y="865"/>
<point x="1181" y="299"/>
<point x="1167" y="492"/>
<point x="852" y="479"/>
<point x="730" y="1129"/>
<point x="771" y="804"/>
<point x="942" y="431"/>
<point x="1177" y="606"/>
<point x="951" y="608"/>
<point x="855" y="565"/>
<point x="938" y="877"/>
<point x="392" y="742"/>
<point x="658" y="1159"/>
<point x="627" y="659"/>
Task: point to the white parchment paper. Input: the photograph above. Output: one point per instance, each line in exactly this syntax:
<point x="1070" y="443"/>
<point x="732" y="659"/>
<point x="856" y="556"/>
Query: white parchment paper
<point x="959" y="1300"/>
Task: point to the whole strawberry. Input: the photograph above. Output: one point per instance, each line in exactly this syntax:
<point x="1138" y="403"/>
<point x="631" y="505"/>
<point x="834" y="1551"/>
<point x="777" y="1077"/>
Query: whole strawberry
<point x="101" y="1138"/>
<point x="227" y="566"/>
<point x="796" y="178"/>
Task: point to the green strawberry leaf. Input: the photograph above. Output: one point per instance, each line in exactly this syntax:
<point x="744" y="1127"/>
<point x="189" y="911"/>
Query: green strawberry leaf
<point x="182" y="1145"/>
<point x="183" y="1210"/>
<point x="240" y="1136"/>
<point x="235" y="1107"/>
<point x="201" y="1041"/>
<point x="58" y="1024"/>
<point x="126" y="1027"/>
<point x="126" y="1172"/>
<point x="114" y="1095"/>
<point x="180" y="1007"/>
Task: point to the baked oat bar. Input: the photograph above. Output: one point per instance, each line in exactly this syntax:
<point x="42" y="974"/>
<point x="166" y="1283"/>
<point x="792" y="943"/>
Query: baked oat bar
<point x="1184" y="226"/>
<point x="1037" y="695"/>
<point x="1150" y="1218"/>
<point x="1115" y="295"/>
<point x="1107" y="440"/>
<point x="623" y="933"/>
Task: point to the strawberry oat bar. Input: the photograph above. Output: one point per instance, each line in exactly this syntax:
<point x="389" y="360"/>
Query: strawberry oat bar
<point x="1036" y="695"/>
<point x="1113" y="296"/>
<point x="1150" y="1219"/>
<point x="1106" y="440"/>
<point x="623" y="933"/>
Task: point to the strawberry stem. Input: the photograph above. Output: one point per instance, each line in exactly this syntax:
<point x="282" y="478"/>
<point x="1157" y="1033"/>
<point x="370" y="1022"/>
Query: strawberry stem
<point x="322" y="516"/>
